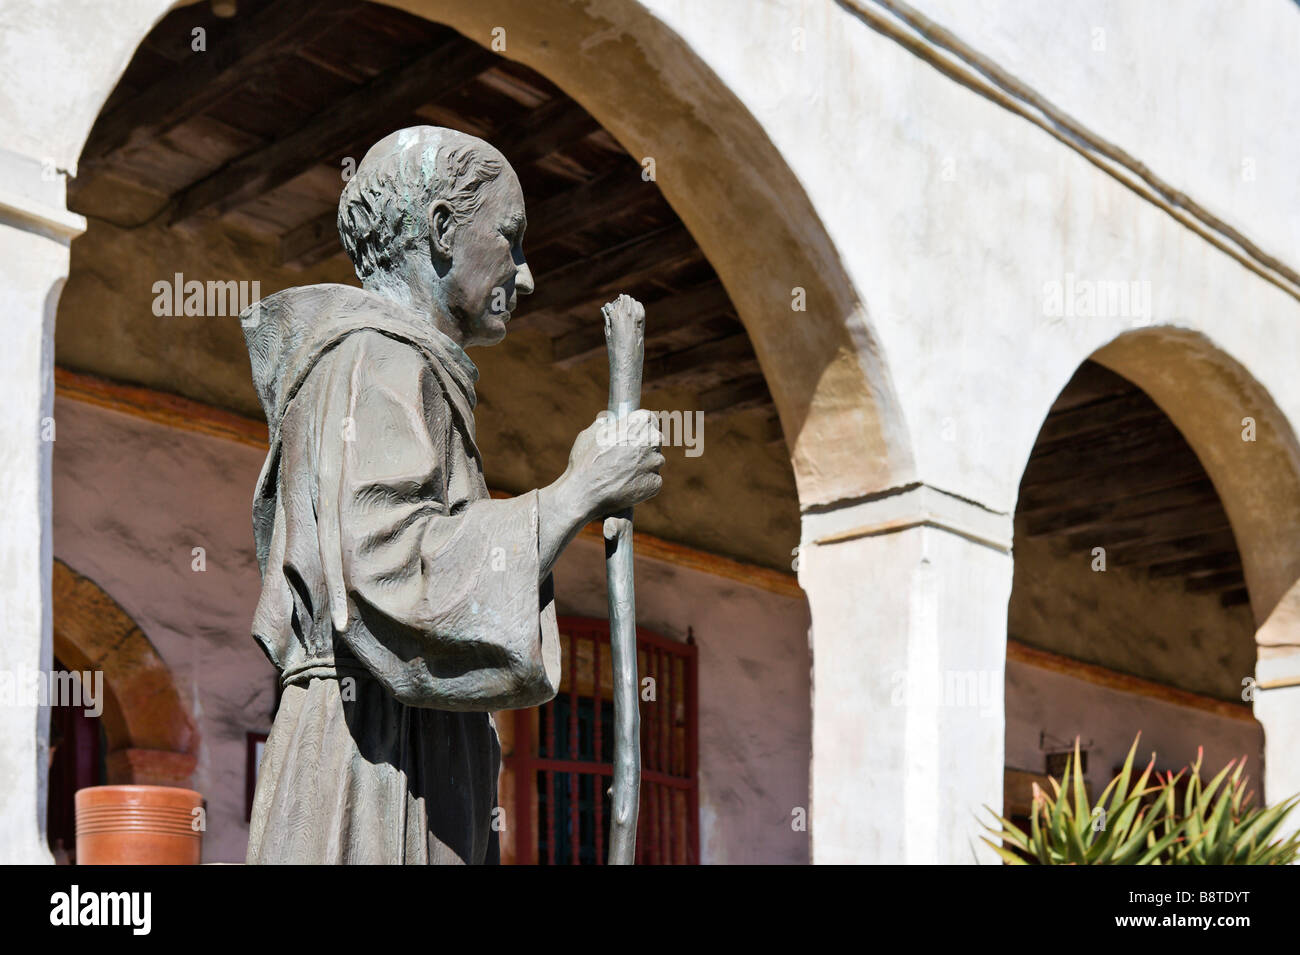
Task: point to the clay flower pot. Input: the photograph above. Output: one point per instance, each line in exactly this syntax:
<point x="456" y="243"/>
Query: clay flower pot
<point x="137" y="825"/>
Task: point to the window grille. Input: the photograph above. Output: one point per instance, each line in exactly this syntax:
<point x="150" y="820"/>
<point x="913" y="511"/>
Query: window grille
<point x="558" y="762"/>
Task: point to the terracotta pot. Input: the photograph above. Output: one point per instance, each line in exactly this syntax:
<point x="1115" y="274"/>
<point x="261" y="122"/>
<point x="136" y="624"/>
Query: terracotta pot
<point x="137" y="825"/>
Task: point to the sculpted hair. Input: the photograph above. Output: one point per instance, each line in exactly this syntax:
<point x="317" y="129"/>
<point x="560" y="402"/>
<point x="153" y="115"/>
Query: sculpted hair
<point x="383" y="208"/>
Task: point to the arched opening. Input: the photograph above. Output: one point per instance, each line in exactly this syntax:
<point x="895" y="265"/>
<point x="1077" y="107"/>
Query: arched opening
<point x="150" y="736"/>
<point x="1240" y="436"/>
<point x="1149" y="550"/>
<point x="230" y="157"/>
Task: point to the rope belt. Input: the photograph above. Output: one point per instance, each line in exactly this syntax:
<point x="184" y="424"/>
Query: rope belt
<point x="300" y="674"/>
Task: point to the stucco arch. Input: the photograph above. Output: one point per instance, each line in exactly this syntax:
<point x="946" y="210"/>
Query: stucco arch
<point x="1208" y="394"/>
<point x="1254" y="465"/>
<point x="731" y="188"/>
<point x="151" y="736"/>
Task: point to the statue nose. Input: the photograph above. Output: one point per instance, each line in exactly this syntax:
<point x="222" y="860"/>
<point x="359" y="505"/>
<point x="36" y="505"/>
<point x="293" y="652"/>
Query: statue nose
<point x="524" y="279"/>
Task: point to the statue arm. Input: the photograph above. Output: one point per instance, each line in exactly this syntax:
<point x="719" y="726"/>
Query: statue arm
<point x="562" y="513"/>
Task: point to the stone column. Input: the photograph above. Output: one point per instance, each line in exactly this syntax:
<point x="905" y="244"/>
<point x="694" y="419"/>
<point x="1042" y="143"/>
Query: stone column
<point x="35" y="232"/>
<point x="908" y="593"/>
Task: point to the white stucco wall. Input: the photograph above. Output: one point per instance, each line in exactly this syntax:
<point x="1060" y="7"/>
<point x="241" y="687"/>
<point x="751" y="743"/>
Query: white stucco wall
<point x="952" y="269"/>
<point x="132" y="499"/>
<point x="1195" y="88"/>
<point x="46" y="105"/>
<point x="34" y="232"/>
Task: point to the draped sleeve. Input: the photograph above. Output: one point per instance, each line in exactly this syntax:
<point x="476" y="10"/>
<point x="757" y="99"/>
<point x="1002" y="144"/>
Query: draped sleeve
<point x="433" y="585"/>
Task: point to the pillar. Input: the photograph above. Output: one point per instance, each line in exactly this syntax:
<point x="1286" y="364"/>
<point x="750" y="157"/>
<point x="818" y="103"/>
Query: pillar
<point x="1277" y="707"/>
<point x="35" y="232"/>
<point x="908" y="592"/>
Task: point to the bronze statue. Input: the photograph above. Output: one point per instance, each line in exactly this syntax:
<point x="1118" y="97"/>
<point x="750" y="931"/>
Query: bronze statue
<point x="400" y="603"/>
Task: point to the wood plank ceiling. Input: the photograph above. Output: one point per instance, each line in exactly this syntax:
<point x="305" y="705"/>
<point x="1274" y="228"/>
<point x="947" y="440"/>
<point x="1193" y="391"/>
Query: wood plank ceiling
<point x="256" y="130"/>
<point x="1110" y="470"/>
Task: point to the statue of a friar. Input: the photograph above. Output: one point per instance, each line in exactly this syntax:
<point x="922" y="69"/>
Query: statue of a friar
<point x="401" y="604"/>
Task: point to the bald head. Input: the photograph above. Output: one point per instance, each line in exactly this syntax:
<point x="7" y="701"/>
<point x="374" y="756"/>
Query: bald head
<point x="434" y="220"/>
<point x="383" y="209"/>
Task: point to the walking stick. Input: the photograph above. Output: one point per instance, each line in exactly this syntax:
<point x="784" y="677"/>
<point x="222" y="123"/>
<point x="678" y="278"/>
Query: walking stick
<point x="625" y="339"/>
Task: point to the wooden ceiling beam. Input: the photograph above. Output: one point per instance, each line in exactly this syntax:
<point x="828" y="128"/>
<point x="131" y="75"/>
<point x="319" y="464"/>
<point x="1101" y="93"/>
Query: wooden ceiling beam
<point x="1066" y="519"/>
<point x="1197" y="565"/>
<point x="250" y="49"/>
<point x="1106" y="448"/>
<point x="401" y="90"/>
<point x="1133" y="411"/>
<point x="664" y="316"/>
<point x="615" y="191"/>
<point x="1225" y="580"/>
<point x="724" y="358"/>
<point x="742" y="394"/>
<point x="1146" y="553"/>
<point x="542" y="131"/>
<point x="1091" y="382"/>
<point x="1131" y="457"/>
<point x="1170" y="526"/>
<point x="1108" y="485"/>
<point x="588" y="280"/>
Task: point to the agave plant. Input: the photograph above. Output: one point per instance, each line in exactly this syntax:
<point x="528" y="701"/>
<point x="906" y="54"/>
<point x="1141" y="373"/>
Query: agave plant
<point x="1225" y="830"/>
<point x="1066" y="830"/>
<point x="1136" y="824"/>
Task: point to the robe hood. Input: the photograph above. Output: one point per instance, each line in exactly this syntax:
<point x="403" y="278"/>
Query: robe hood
<point x="287" y="332"/>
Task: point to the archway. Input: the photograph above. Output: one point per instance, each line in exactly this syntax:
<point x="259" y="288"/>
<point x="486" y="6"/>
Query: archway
<point x="1156" y="554"/>
<point x="151" y="737"/>
<point x="1240" y="436"/>
<point x="728" y="183"/>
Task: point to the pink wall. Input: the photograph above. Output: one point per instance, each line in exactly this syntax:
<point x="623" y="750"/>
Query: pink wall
<point x="1063" y="706"/>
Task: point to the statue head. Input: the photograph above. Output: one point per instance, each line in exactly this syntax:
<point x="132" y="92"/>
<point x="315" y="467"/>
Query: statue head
<point x="434" y="219"/>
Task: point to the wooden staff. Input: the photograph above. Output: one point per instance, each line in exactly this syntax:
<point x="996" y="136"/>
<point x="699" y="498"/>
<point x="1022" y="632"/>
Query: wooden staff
<point x="625" y="339"/>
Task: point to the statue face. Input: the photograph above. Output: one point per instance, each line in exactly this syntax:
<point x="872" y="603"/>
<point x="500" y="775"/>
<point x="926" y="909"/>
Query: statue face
<point x="482" y="269"/>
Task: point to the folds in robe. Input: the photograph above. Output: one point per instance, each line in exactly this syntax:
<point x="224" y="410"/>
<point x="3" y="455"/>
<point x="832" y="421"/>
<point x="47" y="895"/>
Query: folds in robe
<point x="384" y="560"/>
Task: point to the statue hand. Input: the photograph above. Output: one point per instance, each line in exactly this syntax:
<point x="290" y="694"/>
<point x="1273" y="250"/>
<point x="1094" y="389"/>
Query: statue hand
<point x="615" y="462"/>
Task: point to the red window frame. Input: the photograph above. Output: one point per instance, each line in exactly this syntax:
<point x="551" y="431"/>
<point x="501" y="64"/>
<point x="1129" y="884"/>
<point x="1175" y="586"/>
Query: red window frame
<point x="668" y="824"/>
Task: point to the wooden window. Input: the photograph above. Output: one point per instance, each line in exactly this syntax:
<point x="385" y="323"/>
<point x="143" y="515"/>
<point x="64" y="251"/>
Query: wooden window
<point x="558" y="758"/>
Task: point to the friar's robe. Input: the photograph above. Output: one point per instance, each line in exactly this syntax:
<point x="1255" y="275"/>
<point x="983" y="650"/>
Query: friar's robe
<point x="400" y="603"/>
